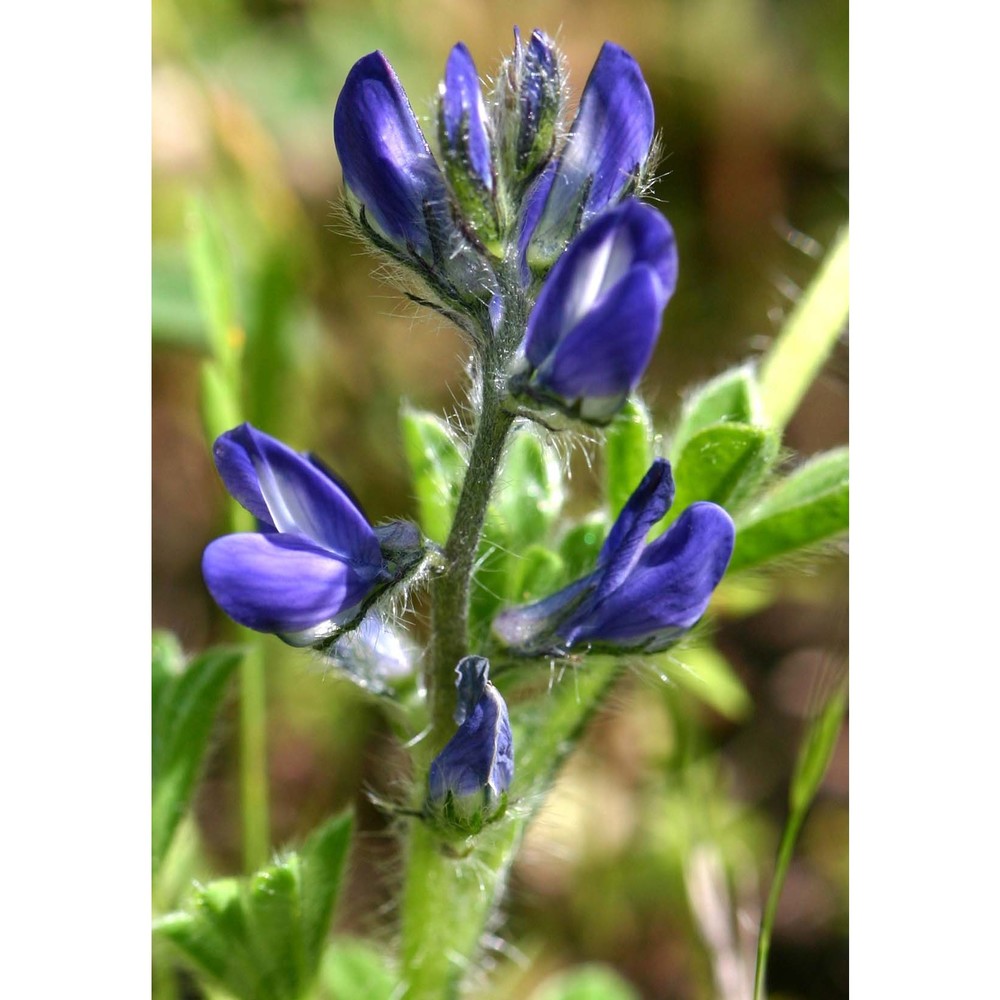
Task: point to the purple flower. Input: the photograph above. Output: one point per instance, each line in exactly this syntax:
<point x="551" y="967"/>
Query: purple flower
<point x="595" y="324"/>
<point x="388" y="166"/>
<point x="469" y="779"/>
<point x="604" y="155"/>
<point x="639" y="597"/>
<point x="316" y="564"/>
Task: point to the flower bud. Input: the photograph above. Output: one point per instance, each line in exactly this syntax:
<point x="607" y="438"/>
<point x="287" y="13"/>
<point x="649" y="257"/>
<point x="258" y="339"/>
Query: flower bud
<point x="529" y="108"/>
<point x="466" y="145"/>
<point x="469" y="779"/>
<point x="604" y="156"/>
<point x="389" y="170"/>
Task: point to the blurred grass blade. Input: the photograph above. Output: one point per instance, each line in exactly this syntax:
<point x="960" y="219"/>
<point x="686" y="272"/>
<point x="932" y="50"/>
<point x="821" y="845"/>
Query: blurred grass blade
<point x="352" y="968"/>
<point x="587" y="982"/>
<point x="810" y="506"/>
<point x="529" y="510"/>
<point x="262" y="936"/>
<point x="817" y="750"/>
<point x="175" y="313"/>
<point x="732" y="397"/>
<point x="798" y="352"/>
<point x="628" y="453"/>
<point x="184" y="707"/>
<point x="214" y="284"/>
<point x="437" y="464"/>
<point x="220" y="409"/>
<point x="705" y="673"/>
<point x="810" y="767"/>
<point x="722" y="463"/>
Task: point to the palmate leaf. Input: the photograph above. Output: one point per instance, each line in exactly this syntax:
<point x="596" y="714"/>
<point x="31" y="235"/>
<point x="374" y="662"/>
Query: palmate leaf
<point x="809" y="507"/>
<point x="437" y="465"/>
<point x="185" y="703"/>
<point x="530" y="495"/>
<point x="628" y="454"/>
<point x="722" y="463"/>
<point x="262" y="937"/>
<point x="732" y="397"/>
<point x="352" y="968"/>
<point x="705" y="673"/>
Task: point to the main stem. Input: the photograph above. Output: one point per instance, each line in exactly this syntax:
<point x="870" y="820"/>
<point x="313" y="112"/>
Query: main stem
<point x="450" y="592"/>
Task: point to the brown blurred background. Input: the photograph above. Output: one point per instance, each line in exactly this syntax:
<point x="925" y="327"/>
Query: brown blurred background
<point x="751" y="102"/>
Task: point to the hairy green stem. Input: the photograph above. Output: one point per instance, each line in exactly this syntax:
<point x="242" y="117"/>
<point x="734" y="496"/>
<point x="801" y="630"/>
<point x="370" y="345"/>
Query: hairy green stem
<point x="812" y="329"/>
<point x="450" y="592"/>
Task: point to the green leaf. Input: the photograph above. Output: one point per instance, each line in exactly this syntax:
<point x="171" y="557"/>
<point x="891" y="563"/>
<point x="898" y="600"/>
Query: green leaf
<point x="323" y="860"/>
<point x="491" y="582"/>
<point x="732" y="397"/>
<point x="184" y="708"/>
<point x="722" y="463"/>
<point x="810" y="506"/>
<point x="628" y="453"/>
<point x="437" y="465"/>
<point x="530" y="494"/>
<point x="587" y="982"/>
<point x="581" y="545"/>
<point x="352" y="968"/>
<point x="817" y="750"/>
<point x="539" y="573"/>
<point x="215" y="936"/>
<point x="705" y="673"/>
<point x="261" y="937"/>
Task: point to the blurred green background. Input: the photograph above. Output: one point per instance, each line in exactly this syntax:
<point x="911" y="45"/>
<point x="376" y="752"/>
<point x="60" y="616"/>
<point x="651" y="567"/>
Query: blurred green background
<point x="751" y="102"/>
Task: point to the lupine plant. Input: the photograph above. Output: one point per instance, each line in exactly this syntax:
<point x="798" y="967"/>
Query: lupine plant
<point x="526" y="227"/>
